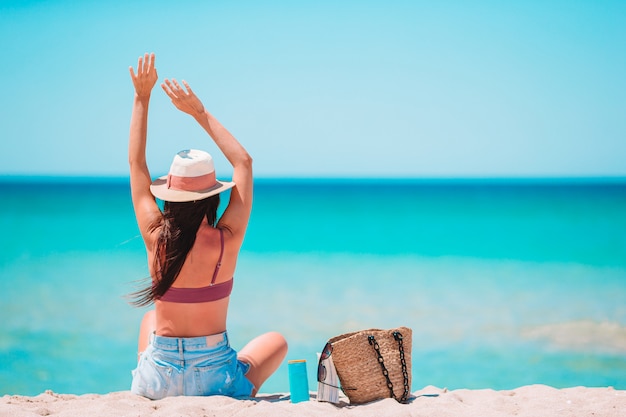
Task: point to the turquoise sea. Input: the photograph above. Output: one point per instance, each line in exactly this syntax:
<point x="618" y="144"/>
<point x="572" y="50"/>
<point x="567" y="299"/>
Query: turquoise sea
<point x="504" y="282"/>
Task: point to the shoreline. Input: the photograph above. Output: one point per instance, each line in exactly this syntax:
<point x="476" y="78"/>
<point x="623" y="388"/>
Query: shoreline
<point x="530" y="400"/>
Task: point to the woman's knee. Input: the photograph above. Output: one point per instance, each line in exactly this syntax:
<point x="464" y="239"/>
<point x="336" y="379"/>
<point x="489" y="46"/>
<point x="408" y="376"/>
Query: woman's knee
<point x="265" y="351"/>
<point x="276" y="346"/>
<point x="279" y="342"/>
<point x="148" y="326"/>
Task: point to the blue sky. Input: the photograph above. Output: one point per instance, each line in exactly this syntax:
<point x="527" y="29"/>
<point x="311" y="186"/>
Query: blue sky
<point x="324" y="88"/>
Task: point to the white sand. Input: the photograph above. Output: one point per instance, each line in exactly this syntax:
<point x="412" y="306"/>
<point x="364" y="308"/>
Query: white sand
<point x="532" y="401"/>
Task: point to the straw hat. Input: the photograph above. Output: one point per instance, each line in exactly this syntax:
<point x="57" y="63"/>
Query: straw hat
<point x="191" y="178"/>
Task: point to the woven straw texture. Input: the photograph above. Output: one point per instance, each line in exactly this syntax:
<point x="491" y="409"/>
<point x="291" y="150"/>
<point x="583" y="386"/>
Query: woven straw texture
<point x="357" y="364"/>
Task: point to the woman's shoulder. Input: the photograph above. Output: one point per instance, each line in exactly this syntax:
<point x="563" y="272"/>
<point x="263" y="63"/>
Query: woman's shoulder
<point x="209" y="234"/>
<point x="226" y="236"/>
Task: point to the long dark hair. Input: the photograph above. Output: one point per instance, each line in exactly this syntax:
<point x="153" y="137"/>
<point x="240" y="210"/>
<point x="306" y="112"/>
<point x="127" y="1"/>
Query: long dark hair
<point x="179" y="224"/>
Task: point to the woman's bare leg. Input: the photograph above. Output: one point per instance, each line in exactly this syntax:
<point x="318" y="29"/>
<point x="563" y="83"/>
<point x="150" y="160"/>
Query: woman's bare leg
<point x="148" y="326"/>
<point x="265" y="354"/>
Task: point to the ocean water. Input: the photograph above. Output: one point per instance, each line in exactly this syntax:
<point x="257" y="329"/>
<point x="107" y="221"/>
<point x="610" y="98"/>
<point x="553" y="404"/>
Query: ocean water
<point x="504" y="282"/>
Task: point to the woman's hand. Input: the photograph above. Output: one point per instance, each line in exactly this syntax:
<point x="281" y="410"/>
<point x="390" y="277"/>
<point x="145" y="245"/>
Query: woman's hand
<point x="185" y="101"/>
<point x="146" y="75"/>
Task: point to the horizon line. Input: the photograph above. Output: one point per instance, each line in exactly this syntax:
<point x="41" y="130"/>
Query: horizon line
<point x="570" y="179"/>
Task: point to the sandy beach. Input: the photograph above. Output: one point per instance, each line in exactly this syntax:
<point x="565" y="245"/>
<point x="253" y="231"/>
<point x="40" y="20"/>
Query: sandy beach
<point x="533" y="400"/>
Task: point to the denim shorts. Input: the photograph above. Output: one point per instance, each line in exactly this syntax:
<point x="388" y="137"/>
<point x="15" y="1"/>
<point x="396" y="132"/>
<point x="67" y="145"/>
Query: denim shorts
<point x="173" y="366"/>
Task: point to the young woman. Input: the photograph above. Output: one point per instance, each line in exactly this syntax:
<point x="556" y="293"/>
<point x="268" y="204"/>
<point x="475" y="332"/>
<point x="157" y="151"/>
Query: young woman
<point x="183" y="344"/>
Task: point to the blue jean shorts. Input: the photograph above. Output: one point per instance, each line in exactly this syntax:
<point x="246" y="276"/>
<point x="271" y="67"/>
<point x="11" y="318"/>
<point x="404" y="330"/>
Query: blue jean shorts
<point x="173" y="366"/>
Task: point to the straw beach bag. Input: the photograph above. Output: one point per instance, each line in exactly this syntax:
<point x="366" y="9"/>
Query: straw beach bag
<point x="374" y="364"/>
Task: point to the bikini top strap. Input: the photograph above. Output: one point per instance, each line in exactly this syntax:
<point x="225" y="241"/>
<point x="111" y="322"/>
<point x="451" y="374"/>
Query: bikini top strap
<point x="219" y="261"/>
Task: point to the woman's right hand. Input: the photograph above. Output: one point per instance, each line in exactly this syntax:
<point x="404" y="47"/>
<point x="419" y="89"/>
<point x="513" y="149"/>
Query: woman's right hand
<point x="146" y="75"/>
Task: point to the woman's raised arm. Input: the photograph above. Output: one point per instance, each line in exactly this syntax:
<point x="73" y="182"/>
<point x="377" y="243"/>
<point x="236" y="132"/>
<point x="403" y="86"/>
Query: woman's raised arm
<point x="236" y="215"/>
<point x="146" y="209"/>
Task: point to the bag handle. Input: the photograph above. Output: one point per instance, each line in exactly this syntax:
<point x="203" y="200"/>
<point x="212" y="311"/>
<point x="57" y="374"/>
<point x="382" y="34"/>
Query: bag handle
<point x="398" y="337"/>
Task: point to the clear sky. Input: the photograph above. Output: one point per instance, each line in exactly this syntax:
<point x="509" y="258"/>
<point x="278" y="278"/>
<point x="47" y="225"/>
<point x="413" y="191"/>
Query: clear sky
<point x="322" y="88"/>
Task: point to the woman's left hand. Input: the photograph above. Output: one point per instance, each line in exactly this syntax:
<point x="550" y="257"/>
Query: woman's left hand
<point x="146" y="75"/>
<point x="185" y="101"/>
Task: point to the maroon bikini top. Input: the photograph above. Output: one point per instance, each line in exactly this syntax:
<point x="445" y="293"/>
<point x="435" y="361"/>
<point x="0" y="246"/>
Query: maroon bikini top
<point x="211" y="292"/>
